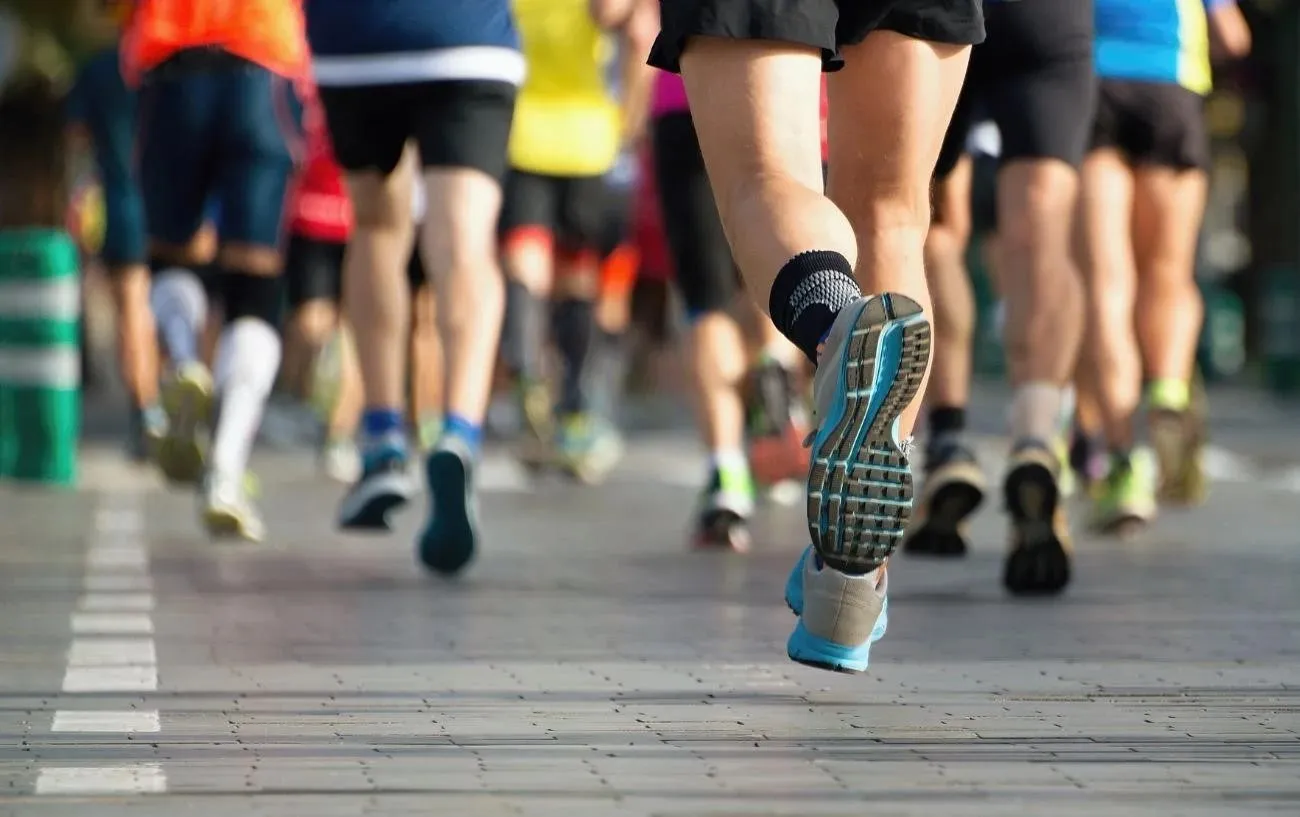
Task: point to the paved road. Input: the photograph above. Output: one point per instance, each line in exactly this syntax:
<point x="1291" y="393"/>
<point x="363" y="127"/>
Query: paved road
<point x="589" y="665"/>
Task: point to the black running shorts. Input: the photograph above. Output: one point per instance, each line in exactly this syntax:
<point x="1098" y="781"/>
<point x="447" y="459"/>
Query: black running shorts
<point x="313" y="270"/>
<point x="570" y="208"/>
<point x="460" y="123"/>
<point x="1152" y="123"/>
<point x="825" y="24"/>
<point x="706" y="275"/>
<point x="1033" y="76"/>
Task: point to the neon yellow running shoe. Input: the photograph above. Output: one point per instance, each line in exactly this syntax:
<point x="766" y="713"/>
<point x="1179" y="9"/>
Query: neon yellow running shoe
<point x="1178" y="429"/>
<point x="1125" y="499"/>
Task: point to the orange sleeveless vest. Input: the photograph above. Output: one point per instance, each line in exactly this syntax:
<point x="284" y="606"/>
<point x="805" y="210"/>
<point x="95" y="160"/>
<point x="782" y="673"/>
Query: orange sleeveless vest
<point x="270" y="33"/>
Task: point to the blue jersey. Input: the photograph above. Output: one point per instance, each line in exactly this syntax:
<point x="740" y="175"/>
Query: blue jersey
<point x="101" y="102"/>
<point x="381" y="42"/>
<point x="1155" y="41"/>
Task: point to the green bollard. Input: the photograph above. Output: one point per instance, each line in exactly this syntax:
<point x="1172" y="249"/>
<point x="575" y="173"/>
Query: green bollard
<point x="40" y="361"/>
<point x="988" y="355"/>
<point x="1221" y="351"/>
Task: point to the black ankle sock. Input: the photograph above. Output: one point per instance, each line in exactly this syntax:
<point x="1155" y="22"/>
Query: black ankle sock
<point x="573" y="324"/>
<point x="947" y="420"/>
<point x="809" y="291"/>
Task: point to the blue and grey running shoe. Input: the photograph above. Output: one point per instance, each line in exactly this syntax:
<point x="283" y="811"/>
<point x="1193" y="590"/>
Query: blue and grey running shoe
<point x="860" y="482"/>
<point x="861" y="601"/>
<point x="449" y="539"/>
<point x="385" y="485"/>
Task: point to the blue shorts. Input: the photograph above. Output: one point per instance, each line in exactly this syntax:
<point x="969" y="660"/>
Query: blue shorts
<point x="125" y="236"/>
<point x="217" y="130"/>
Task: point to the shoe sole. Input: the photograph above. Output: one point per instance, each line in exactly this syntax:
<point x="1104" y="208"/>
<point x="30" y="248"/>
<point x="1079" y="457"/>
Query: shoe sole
<point x="813" y="651"/>
<point x="369" y="509"/>
<point x="1177" y="445"/>
<point x="953" y="493"/>
<point x="223" y="523"/>
<point x="1039" y="565"/>
<point x="805" y="648"/>
<point x="595" y="468"/>
<point x="859" y="482"/>
<point x="1124" y="524"/>
<point x="188" y="404"/>
<point x="448" y="542"/>
<point x="722" y="529"/>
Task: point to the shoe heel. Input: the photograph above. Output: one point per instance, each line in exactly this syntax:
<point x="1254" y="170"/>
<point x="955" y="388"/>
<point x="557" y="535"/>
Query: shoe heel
<point x="814" y="651"/>
<point x="448" y="542"/>
<point x="1040" y="565"/>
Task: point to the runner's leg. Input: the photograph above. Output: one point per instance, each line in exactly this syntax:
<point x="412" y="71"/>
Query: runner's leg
<point x="255" y="168"/>
<point x="756" y="107"/>
<point x="462" y="131"/>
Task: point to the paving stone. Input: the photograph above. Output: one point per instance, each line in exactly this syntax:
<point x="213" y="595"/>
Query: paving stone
<point x="590" y="665"/>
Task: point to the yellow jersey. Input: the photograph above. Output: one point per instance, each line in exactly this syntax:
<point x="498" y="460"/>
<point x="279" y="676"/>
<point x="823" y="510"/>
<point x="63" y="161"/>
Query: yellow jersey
<point x="567" y="121"/>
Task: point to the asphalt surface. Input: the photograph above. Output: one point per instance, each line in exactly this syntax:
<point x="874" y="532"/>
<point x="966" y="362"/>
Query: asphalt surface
<point x="589" y="664"/>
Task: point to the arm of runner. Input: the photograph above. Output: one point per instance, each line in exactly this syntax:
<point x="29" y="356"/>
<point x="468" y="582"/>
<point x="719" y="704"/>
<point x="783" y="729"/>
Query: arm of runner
<point x="637" y="77"/>
<point x="612" y="14"/>
<point x="1230" y="36"/>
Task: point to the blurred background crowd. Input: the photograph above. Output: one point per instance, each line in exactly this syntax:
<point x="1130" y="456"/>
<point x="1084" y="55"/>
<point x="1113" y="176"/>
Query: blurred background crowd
<point x="1249" y="264"/>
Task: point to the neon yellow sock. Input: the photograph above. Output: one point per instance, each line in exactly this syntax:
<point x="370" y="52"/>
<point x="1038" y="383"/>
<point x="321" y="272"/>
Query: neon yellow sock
<point x="1169" y="393"/>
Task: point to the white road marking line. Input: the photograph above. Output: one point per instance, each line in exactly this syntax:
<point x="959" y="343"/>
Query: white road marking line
<point x="144" y="778"/>
<point x="119" y="520"/>
<point x="91" y="678"/>
<point x="120" y="559"/>
<point x="125" y="721"/>
<point x="117" y="582"/>
<point x="117" y="602"/>
<point x="112" y="623"/>
<point x="112" y="652"/>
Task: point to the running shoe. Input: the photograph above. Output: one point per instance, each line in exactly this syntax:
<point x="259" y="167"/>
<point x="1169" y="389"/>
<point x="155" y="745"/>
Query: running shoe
<point x="860" y="482"/>
<point x="384" y="486"/>
<point x="724" y="509"/>
<point x="1178" y="428"/>
<point x="148" y="427"/>
<point x="1067" y="481"/>
<point x="776" y="429"/>
<point x="845" y="610"/>
<point x="1088" y="460"/>
<point x="587" y="447"/>
<point x="327" y="375"/>
<point x="538" y="424"/>
<point x="1039" y="559"/>
<point x="953" y="489"/>
<point x="187" y="395"/>
<point x="1125" y="499"/>
<point x="450" y="537"/>
<point x="227" y="509"/>
<point x="340" y="460"/>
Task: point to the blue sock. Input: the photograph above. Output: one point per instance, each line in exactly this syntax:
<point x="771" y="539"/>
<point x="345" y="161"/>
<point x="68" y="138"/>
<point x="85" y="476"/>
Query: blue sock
<point x="468" y="431"/>
<point x="383" y="430"/>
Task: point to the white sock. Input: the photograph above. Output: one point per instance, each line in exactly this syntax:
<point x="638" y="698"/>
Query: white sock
<point x="1065" y="420"/>
<point x="180" y="308"/>
<point x="247" y="360"/>
<point x="1036" y="411"/>
<point x="728" y="458"/>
